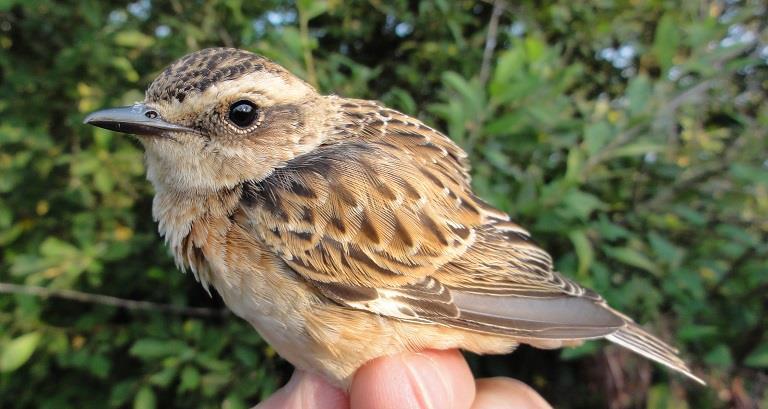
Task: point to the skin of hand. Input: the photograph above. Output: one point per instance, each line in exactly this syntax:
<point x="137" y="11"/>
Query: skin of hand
<point x="427" y="379"/>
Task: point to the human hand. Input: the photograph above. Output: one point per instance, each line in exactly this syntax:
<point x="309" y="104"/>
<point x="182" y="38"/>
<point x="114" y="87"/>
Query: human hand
<point x="429" y="379"/>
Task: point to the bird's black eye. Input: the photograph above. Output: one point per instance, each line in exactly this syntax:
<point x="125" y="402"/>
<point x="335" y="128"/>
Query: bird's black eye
<point x="243" y="113"/>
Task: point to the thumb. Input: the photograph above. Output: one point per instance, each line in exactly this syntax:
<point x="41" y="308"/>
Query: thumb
<point x="306" y="391"/>
<point x="428" y="379"/>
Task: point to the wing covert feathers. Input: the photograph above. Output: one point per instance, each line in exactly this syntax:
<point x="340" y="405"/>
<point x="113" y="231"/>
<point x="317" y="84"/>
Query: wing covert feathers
<point x="386" y="205"/>
<point x="383" y="219"/>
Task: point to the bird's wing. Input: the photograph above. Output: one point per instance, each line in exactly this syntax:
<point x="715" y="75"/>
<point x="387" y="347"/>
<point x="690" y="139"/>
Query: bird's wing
<point x="380" y="210"/>
<point x="505" y="283"/>
<point x="385" y="220"/>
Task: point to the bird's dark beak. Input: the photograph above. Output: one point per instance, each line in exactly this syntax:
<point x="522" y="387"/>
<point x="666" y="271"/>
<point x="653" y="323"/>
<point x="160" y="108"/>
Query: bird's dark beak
<point x="136" y="119"/>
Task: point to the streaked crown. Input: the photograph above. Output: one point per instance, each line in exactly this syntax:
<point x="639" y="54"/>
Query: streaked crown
<point x="196" y="72"/>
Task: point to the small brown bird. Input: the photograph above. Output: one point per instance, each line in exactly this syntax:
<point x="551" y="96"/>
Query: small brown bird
<point x="343" y="230"/>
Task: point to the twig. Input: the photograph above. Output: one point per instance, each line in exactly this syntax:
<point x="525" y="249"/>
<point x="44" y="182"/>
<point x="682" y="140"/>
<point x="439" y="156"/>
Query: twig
<point x="178" y="8"/>
<point x="614" y="369"/>
<point x="669" y="108"/>
<point x="753" y="338"/>
<point x="691" y="93"/>
<point x="226" y="38"/>
<point x="133" y="305"/>
<point x="690" y="179"/>
<point x="617" y="142"/>
<point x="680" y="184"/>
<point x="309" y="60"/>
<point x="490" y="40"/>
<point x="666" y="109"/>
<point x="733" y="269"/>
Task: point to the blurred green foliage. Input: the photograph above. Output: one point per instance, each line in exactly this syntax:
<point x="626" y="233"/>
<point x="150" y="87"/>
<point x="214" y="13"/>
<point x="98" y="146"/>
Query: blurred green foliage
<point x="629" y="135"/>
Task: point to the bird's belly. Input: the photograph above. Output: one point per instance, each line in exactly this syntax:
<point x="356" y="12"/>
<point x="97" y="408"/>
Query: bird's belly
<point x="279" y="320"/>
<point x="331" y="340"/>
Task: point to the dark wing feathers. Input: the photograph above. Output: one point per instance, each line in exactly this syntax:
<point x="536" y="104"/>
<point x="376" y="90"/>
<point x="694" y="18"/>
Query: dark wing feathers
<point x="504" y="261"/>
<point x="641" y="342"/>
<point x="556" y="317"/>
<point x="384" y="220"/>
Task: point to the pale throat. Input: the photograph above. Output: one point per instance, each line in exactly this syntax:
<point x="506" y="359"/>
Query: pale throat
<point x="187" y="165"/>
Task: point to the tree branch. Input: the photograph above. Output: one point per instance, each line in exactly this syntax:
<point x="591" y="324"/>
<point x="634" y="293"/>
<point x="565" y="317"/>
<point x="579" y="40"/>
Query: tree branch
<point x="668" y="108"/>
<point x="490" y="40"/>
<point x="306" y="46"/>
<point x="133" y="305"/>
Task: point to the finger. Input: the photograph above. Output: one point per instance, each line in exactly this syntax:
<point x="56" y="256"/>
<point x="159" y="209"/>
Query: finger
<point x="507" y="393"/>
<point x="428" y="379"/>
<point x="306" y="391"/>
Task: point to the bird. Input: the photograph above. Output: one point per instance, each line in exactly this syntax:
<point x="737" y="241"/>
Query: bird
<point x="343" y="230"/>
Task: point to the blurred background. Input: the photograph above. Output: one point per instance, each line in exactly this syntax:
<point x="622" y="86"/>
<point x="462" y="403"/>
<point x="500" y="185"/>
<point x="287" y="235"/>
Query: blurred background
<point x="629" y="136"/>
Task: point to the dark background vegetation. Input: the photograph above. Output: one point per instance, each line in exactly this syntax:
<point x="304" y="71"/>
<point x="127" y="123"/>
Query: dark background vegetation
<point x="630" y="136"/>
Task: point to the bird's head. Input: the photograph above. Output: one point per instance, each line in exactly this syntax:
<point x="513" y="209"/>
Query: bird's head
<point x="220" y="116"/>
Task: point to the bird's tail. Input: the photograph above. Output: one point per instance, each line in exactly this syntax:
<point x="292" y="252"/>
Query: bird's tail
<point x="638" y="340"/>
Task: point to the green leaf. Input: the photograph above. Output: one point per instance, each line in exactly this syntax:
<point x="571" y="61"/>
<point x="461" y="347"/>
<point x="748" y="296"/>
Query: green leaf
<point x="6" y="217"/>
<point x="506" y="124"/>
<point x="6" y="5"/>
<point x="498" y="159"/>
<point x="596" y="136"/>
<point x="634" y="149"/>
<point x="99" y="366"/>
<point x="312" y="8"/>
<point x="585" y="349"/>
<point x="609" y="230"/>
<point x="738" y="234"/>
<point x="190" y="379"/>
<point x="18" y="351"/>
<point x="632" y="257"/>
<point x="133" y="39"/>
<point x="692" y="332"/>
<point x="749" y="174"/>
<point x="166" y="375"/>
<point x="575" y="164"/>
<point x="534" y="48"/>
<point x="400" y="99"/>
<point x="157" y="348"/>
<point x="510" y="63"/>
<point x="759" y="357"/>
<point x="720" y="356"/>
<point x="584" y="250"/>
<point x="660" y="397"/>
<point x="663" y="248"/>
<point x="579" y="204"/>
<point x="56" y="248"/>
<point x="233" y="402"/>
<point x="120" y="393"/>
<point x="123" y="64"/>
<point x="470" y="93"/>
<point x="638" y="93"/>
<point x="693" y="216"/>
<point x="103" y="182"/>
<point x="665" y="42"/>
<point x="145" y="399"/>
